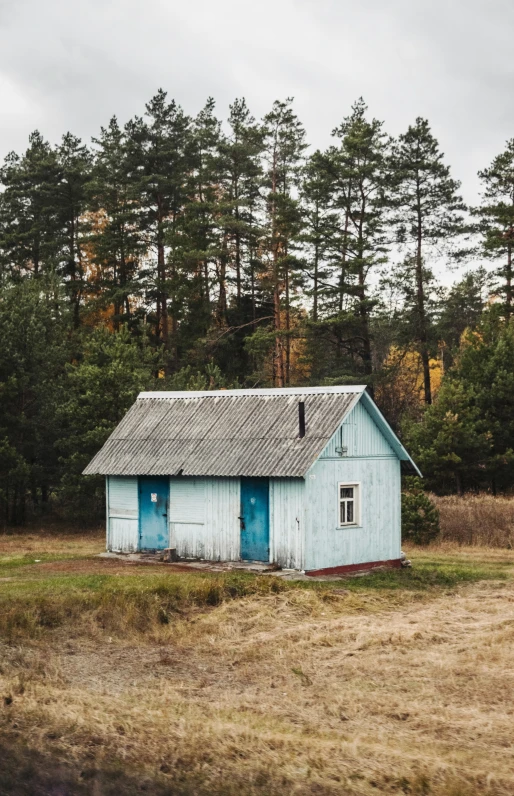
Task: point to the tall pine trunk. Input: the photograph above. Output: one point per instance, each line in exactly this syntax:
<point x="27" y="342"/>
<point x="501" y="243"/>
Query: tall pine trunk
<point x="221" y="309"/>
<point x="238" y="247"/>
<point x="74" y="276"/>
<point x="363" y="308"/>
<point x="422" y="320"/>
<point x="508" y="279"/>
<point x="287" y="375"/>
<point x="278" y="369"/>
<point x="315" y="281"/>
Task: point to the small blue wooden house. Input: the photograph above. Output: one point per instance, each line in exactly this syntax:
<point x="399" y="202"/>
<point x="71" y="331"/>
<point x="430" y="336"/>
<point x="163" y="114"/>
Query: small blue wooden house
<point x="306" y="478"/>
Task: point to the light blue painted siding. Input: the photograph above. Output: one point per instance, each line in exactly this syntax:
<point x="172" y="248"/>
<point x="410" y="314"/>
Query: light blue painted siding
<point x="204" y="518"/>
<point x="378" y="538"/>
<point x="287" y="522"/>
<point x="360" y="435"/>
<point x="122" y="514"/>
<point x="187" y="500"/>
<point x="370" y="461"/>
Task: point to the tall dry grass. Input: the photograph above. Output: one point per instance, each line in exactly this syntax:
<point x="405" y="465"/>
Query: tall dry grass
<point x="481" y="520"/>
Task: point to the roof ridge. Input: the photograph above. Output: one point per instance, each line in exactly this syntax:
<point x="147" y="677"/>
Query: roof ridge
<point x="352" y="389"/>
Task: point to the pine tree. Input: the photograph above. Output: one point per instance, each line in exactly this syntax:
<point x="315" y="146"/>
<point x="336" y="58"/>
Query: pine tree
<point x="284" y="148"/>
<point x="466" y="438"/>
<point x="96" y="392"/>
<point x="241" y="167"/>
<point x="428" y="215"/>
<point x="486" y="366"/>
<point x="450" y="444"/>
<point x="239" y="221"/>
<point x="420" y="516"/>
<point x="29" y="223"/>
<point x="496" y="220"/>
<point x="33" y="355"/>
<point x="114" y="237"/>
<point x="158" y="162"/>
<point x="359" y="245"/>
<point x="319" y="220"/>
<point x="460" y="309"/>
<point x="208" y="247"/>
<point x="74" y="161"/>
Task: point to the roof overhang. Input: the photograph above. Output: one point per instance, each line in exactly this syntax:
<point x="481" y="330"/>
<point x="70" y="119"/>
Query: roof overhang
<point x="407" y="461"/>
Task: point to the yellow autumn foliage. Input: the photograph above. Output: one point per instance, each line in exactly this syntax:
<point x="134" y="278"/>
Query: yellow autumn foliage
<point x="403" y="387"/>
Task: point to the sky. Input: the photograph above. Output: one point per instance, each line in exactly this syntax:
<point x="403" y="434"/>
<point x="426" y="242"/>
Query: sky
<point x="69" y="66"/>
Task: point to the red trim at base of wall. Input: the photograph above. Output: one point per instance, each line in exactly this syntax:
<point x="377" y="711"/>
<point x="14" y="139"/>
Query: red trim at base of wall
<point x="346" y="569"/>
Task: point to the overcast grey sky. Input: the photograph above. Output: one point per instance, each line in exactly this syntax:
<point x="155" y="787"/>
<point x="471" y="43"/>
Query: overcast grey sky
<point x="68" y="65"/>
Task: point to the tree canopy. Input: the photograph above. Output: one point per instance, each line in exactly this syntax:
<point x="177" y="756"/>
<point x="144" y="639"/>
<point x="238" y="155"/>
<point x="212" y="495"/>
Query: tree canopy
<point x="179" y="251"/>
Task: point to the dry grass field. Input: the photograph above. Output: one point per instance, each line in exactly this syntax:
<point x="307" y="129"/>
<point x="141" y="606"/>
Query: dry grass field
<point x="481" y="520"/>
<point x="118" y="678"/>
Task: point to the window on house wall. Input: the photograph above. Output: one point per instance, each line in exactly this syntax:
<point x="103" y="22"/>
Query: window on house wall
<point x="349" y="504"/>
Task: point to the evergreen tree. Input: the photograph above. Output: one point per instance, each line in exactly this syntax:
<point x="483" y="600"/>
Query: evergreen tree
<point x="208" y="247"/>
<point x="461" y="309"/>
<point x="496" y="220"/>
<point x="239" y="219"/>
<point x="359" y="244"/>
<point x="33" y="354"/>
<point x="240" y="153"/>
<point x="114" y="240"/>
<point x="319" y="220"/>
<point x="29" y="220"/>
<point x="96" y="392"/>
<point x="420" y="517"/>
<point x="74" y="161"/>
<point x="428" y="214"/>
<point x="450" y="445"/>
<point x="158" y="161"/>
<point x="283" y="153"/>
<point x="466" y="438"/>
<point x="486" y="364"/>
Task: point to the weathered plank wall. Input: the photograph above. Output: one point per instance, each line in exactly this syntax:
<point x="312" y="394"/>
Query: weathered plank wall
<point x="287" y="522"/>
<point x="378" y="537"/>
<point x="370" y="461"/>
<point x="360" y="435"/>
<point x="122" y="514"/>
<point x="204" y="518"/>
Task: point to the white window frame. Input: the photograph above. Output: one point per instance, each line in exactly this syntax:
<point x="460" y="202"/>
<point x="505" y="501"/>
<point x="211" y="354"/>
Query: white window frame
<point x="356" y="486"/>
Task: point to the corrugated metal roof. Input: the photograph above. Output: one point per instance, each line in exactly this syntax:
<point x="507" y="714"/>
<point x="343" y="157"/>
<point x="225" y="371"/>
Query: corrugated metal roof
<point x="224" y="433"/>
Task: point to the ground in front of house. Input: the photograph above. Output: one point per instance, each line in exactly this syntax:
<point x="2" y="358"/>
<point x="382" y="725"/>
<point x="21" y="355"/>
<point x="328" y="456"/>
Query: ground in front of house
<point x="121" y="677"/>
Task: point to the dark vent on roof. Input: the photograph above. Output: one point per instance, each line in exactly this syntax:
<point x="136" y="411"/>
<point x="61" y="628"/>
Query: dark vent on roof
<point x="301" y="418"/>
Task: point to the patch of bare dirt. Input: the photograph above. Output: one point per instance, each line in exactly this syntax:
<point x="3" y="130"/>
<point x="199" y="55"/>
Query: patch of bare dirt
<point x="98" y="566"/>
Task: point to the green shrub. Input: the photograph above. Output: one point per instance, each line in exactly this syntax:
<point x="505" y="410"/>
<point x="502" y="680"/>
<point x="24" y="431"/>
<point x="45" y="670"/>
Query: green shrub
<point x="420" y="517"/>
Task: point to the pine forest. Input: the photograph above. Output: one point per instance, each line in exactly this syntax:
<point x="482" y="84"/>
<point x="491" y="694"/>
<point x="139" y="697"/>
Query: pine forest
<point x="175" y="252"/>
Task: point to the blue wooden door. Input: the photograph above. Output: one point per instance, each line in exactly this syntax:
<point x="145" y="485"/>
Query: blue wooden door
<point x="254" y="519"/>
<point x="153" y="512"/>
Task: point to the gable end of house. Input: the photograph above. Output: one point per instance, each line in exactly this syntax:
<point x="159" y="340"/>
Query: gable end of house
<point x="365" y="433"/>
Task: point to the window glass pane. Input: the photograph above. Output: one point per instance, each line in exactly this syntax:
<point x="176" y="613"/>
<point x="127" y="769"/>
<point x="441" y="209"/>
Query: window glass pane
<point x="347" y="492"/>
<point x="349" y="511"/>
<point x="343" y="515"/>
